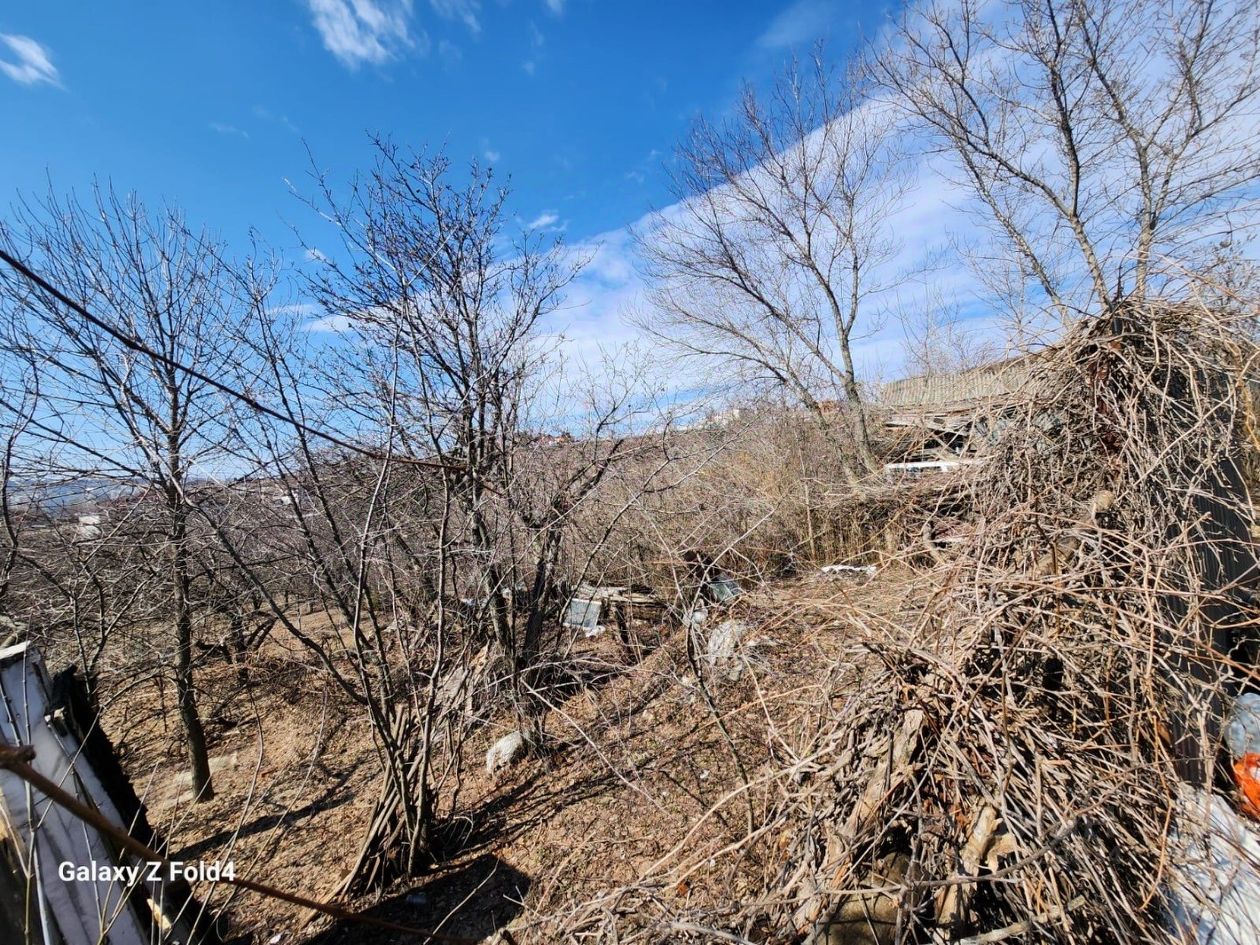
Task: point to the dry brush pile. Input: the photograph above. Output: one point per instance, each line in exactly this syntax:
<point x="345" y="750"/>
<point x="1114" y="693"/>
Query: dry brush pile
<point x="1009" y="768"/>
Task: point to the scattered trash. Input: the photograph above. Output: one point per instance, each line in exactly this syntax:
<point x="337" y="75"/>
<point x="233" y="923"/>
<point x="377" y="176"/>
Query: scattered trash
<point x="867" y="569"/>
<point x="418" y="898"/>
<point x="723" y="644"/>
<point x="1247" y="776"/>
<point x="724" y="640"/>
<point x="596" y="608"/>
<point x="583" y="613"/>
<point x="1216" y="896"/>
<point x="505" y="752"/>
<point x="694" y="619"/>
<point x="723" y="589"/>
<point x="1242" y="735"/>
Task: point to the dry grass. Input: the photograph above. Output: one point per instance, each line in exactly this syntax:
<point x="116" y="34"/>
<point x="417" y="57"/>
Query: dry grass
<point x="1009" y="763"/>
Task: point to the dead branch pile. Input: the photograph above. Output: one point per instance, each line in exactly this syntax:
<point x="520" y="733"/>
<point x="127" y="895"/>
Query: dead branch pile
<point x="881" y="518"/>
<point x="1010" y="766"/>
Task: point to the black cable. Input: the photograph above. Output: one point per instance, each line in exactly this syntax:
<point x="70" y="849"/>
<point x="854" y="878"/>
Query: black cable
<point x="141" y="348"/>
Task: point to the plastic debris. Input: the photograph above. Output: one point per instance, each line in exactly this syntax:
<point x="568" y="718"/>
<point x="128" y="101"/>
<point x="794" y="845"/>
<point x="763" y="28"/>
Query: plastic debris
<point x="723" y="644"/>
<point x="583" y="613"/>
<point x="1215" y="896"/>
<point x="506" y="751"/>
<point x="1247" y="775"/>
<point x="1242" y="733"/>
<point x="725" y="639"/>
<point x="866" y="569"/>
<point x="1242" y="736"/>
<point x="724" y="588"/>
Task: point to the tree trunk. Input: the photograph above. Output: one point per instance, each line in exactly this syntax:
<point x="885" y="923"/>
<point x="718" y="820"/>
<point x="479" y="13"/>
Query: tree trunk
<point x="194" y="732"/>
<point x="399" y="838"/>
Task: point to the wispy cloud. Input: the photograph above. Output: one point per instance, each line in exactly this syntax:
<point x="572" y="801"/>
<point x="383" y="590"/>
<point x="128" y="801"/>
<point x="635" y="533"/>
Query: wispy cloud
<point x="32" y="62"/>
<point x="555" y="6"/>
<point x="801" y="23"/>
<point x="463" y="11"/>
<point x="282" y="120"/>
<point x="544" y="221"/>
<point x="330" y="324"/>
<point x="639" y="173"/>
<point x="363" y="31"/>
<point x="489" y="151"/>
<point x="536" y="43"/>
<point x="223" y="128"/>
<point x="295" y="308"/>
<point x="449" y="53"/>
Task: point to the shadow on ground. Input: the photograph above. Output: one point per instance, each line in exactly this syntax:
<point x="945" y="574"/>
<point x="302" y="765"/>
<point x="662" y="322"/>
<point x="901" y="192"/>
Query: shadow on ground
<point x="471" y="900"/>
<point x="334" y="796"/>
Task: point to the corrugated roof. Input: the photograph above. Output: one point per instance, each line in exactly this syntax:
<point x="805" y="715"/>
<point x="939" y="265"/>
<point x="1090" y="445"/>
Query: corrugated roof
<point x="989" y="382"/>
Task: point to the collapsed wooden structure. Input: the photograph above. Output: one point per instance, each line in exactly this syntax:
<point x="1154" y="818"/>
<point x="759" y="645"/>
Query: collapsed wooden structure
<point x="942" y="421"/>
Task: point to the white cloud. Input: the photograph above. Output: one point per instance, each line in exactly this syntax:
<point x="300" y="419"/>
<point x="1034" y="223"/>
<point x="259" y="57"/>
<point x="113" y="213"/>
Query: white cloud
<point x="465" y="11"/>
<point x="223" y="128"/>
<point x="529" y="66"/>
<point x="492" y="155"/>
<point x="330" y="324"/>
<point x="802" y="22"/>
<point x="601" y="304"/>
<point x="363" y="31"/>
<point x="282" y="120"/>
<point x="545" y="220"/>
<point x="295" y="308"/>
<point x="555" y="6"/>
<point x="33" y="62"/>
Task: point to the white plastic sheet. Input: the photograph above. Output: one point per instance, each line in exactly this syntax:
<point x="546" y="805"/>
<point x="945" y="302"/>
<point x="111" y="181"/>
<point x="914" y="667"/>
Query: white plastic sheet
<point x="1214" y="897"/>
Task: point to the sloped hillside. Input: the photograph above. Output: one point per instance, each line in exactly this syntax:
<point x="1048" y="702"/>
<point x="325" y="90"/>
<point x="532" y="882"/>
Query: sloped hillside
<point x="652" y="776"/>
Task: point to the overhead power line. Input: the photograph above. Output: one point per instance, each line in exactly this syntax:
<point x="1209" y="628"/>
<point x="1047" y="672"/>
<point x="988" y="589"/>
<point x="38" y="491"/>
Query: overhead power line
<point x="140" y="347"/>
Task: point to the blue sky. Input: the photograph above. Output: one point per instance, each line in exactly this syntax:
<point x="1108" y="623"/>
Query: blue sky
<point x="212" y="106"/>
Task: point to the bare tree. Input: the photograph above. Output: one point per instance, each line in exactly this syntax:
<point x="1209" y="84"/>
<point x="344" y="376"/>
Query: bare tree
<point x="773" y="262"/>
<point x="938" y="340"/>
<point x="433" y="541"/>
<point x="1111" y="143"/>
<point x="19" y="400"/>
<point x="449" y="309"/>
<point x="132" y="417"/>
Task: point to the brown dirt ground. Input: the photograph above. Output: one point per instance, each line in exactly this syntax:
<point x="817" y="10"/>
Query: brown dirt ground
<point x="638" y="780"/>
